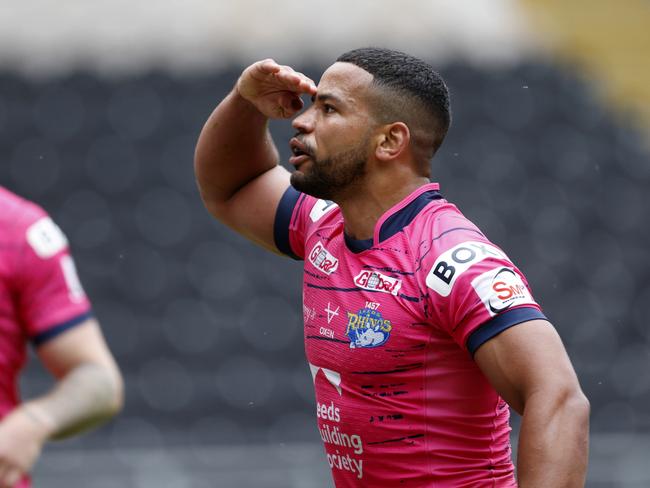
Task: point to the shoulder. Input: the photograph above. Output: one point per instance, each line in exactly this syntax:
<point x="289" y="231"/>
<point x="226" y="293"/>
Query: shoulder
<point x="450" y="244"/>
<point x="298" y="217"/>
<point x="308" y="212"/>
<point x="320" y="211"/>
<point x="16" y="212"/>
<point x="25" y="222"/>
<point x="441" y="226"/>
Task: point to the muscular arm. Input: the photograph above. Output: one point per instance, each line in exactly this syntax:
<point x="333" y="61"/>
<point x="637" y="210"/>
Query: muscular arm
<point x="236" y="161"/>
<point x="89" y="387"/>
<point x="528" y="366"/>
<point x="234" y="147"/>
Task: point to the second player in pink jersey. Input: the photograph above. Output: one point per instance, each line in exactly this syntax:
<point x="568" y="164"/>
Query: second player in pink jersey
<point x="419" y="332"/>
<point x="42" y="303"/>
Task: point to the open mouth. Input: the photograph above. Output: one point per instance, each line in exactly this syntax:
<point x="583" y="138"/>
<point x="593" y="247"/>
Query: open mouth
<point x="299" y="151"/>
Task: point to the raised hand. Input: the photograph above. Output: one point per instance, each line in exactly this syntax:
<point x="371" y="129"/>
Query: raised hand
<point x="274" y="89"/>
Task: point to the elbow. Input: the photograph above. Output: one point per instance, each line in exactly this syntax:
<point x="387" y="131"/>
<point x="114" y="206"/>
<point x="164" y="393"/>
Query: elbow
<point x="213" y="204"/>
<point x="572" y="405"/>
<point x="115" y="393"/>
<point x="118" y="395"/>
<point x="573" y="400"/>
<point x="562" y="402"/>
<point x="577" y="411"/>
<point x="579" y="404"/>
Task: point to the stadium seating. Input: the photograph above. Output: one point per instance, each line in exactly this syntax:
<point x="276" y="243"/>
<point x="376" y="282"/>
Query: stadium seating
<point x="207" y="328"/>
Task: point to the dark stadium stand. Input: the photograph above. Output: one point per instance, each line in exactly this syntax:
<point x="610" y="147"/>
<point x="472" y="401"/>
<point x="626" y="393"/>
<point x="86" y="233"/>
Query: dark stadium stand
<point x="207" y="328"/>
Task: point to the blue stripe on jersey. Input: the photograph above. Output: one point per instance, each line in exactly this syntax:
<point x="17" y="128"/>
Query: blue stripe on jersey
<point x="396" y="222"/>
<point x="405" y="216"/>
<point x="357" y="245"/>
<point x="500" y="323"/>
<point x="283" y="220"/>
<point x="52" y="332"/>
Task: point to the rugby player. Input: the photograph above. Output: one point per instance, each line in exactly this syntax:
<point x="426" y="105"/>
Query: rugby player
<point x="42" y="303"/>
<point x="420" y="331"/>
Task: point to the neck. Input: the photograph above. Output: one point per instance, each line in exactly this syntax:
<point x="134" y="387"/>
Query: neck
<point x="364" y="206"/>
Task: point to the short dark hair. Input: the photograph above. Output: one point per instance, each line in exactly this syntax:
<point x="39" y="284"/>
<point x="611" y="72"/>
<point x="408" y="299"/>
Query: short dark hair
<point x="418" y="95"/>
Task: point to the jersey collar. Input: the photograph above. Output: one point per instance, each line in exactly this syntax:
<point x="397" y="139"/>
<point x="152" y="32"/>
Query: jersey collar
<point x="397" y="217"/>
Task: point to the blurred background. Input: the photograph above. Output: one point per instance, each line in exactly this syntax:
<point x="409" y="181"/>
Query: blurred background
<point x="100" y="106"/>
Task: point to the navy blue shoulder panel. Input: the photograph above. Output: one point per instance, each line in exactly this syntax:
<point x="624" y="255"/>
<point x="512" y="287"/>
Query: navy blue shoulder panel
<point x="283" y="220"/>
<point x="357" y="245"/>
<point x="405" y="216"/>
<point x="500" y="323"/>
<point x="52" y="332"/>
<point x="395" y="223"/>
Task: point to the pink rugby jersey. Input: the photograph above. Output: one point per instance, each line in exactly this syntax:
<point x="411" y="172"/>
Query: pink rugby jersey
<point x="390" y="327"/>
<point x="40" y="294"/>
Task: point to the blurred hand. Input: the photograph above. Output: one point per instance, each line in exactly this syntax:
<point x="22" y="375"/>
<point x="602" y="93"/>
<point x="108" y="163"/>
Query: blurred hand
<point x="274" y="89"/>
<point x="21" y="440"/>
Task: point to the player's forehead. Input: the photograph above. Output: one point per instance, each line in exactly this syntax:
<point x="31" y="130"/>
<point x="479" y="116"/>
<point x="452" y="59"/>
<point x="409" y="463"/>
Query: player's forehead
<point x="346" y="82"/>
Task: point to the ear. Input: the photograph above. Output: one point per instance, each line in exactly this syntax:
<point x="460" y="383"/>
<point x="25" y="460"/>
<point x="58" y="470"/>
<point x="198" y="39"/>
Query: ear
<point x="393" y="140"/>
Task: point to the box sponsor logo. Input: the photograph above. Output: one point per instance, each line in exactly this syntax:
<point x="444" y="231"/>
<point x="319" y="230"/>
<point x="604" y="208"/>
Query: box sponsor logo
<point x="452" y="263"/>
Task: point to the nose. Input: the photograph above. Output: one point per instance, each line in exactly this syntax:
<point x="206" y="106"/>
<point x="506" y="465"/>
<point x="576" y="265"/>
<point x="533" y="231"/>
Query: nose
<point x="304" y="123"/>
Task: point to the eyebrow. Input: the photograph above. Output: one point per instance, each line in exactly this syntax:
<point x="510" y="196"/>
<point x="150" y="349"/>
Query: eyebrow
<point x="323" y="97"/>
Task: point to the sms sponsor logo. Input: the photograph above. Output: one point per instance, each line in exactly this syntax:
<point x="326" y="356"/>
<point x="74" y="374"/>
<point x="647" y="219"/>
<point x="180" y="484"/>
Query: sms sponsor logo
<point x="374" y="281"/>
<point x="367" y="328"/>
<point x="501" y="289"/>
<point x="322" y="259"/>
<point x="455" y="261"/>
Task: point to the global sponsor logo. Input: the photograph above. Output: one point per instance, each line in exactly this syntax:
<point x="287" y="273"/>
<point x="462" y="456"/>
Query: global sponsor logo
<point x="375" y="281"/>
<point x="452" y="263"/>
<point x="501" y="289"/>
<point x="322" y="259"/>
<point x="368" y="328"/>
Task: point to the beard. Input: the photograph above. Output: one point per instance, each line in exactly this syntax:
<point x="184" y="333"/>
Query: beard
<point x="330" y="178"/>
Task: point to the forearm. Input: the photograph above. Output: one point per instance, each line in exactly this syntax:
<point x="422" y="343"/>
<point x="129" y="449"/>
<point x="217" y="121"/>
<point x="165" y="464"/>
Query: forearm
<point x="87" y="396"/>
<point x="553" y="442"/>
<point x="234" y="147"/>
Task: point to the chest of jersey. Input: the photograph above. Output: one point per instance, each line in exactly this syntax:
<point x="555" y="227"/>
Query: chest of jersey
<point x="362" y="312"/>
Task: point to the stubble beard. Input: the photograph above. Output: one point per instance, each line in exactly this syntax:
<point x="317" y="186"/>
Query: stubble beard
<point x="332" y="178"/>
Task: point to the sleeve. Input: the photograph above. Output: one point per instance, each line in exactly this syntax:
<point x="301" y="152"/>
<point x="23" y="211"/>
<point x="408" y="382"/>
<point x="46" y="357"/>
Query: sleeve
<point x="476" y="291"/>
<point x="297" y="213"/>
<point x="51" y="298"/>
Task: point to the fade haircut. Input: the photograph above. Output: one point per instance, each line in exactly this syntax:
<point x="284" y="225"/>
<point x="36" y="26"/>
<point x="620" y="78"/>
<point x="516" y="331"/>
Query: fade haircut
<point x="406" y="90"/>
